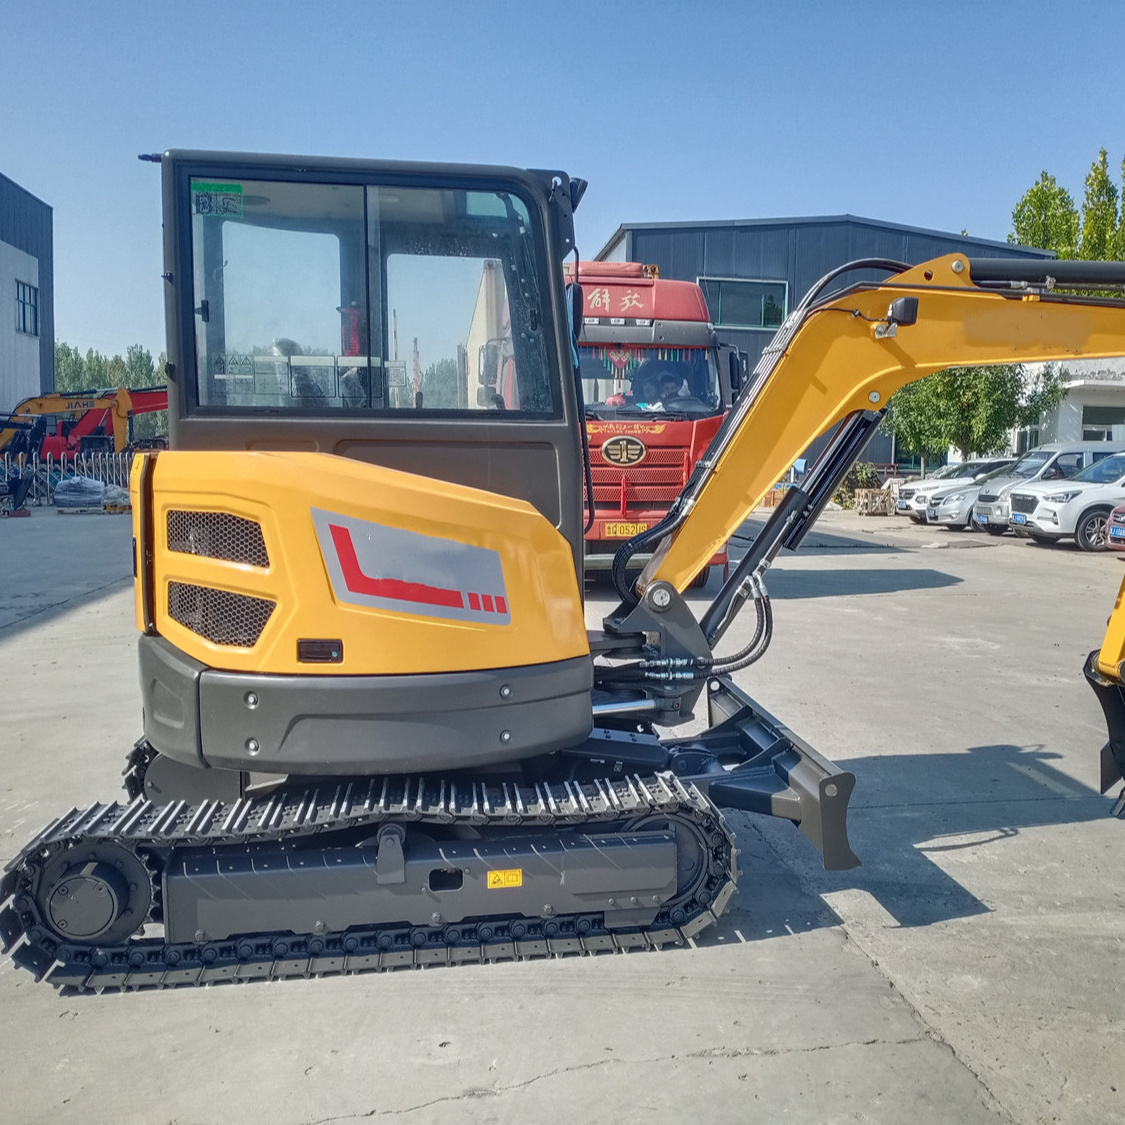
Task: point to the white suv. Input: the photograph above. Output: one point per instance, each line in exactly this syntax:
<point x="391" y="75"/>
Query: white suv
<point x="1056" y="460"/>
<point x="1078" y="507"/>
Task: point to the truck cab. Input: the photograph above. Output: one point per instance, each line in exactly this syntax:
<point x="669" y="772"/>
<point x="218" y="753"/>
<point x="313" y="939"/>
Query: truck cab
<point x="656" y="384"/>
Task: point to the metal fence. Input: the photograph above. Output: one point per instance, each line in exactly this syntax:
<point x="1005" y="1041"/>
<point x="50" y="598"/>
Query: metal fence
<point x="48" y="472"/>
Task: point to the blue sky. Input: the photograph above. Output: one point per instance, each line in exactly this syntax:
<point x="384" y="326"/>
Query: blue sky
<point x="931" y="114"/>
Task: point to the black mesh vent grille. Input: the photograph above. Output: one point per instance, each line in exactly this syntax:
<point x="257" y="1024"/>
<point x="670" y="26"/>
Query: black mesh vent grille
<point x="220" y="616"/>
<point x="217" y="535"/>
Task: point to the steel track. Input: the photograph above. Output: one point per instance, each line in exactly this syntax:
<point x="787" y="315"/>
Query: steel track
<point x="152" y="831"/>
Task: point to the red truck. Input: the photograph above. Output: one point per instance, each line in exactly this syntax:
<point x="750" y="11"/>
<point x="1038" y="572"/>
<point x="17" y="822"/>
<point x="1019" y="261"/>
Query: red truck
<point x="657" y="384"/>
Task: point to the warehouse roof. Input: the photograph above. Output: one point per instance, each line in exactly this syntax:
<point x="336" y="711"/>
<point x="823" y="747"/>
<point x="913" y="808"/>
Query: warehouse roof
<point x="821" y="220"/>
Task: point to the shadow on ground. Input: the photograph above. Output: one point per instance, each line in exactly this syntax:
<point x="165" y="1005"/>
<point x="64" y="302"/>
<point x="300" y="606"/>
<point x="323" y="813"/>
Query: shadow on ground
<point x="819" y="540"/>
<point x="17" y="615"/>
<point x="840" y="583"/>
<point x="909" y="811"/>
<point x="831" y="583"/>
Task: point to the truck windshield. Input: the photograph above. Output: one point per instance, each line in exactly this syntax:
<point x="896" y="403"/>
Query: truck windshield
<point x="626" y="380"/>
<point x="364" y="298"/>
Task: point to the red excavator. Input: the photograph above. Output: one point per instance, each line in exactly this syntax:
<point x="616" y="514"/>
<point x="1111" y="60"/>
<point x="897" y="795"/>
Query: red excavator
<point x="99" y="421"/>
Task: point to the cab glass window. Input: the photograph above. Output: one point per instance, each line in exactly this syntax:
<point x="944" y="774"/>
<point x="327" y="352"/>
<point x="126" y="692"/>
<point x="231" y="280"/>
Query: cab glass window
<point x="1105" y="471"/>
<point x="358" y="298"/>
<point x="1065" y="466"/>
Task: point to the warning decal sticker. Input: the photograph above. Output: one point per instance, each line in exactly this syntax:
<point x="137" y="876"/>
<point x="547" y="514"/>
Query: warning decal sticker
<point x="216" y="199"/>
<point x="500" y="880"/>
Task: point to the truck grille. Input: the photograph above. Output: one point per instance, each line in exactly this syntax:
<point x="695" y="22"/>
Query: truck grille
<point x="217" y="535"/>
<point x="1024" y="504"/>
<point x="988" y="497"/>
<point x="220" y="616"/>
<point x="906" y="493"/>
<point x="654" y="483"/>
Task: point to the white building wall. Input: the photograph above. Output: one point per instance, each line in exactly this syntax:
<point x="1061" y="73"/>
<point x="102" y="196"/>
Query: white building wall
<point x="19" y="352"/>
<point x="1091" y="382"/>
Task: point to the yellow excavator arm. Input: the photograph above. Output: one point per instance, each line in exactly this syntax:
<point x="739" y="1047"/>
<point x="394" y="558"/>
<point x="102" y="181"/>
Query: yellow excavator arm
<point x="847" y="355"/>
<point x="837" y="362"/>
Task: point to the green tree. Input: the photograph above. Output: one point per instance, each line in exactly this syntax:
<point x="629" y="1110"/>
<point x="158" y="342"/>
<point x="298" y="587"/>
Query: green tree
<point x="139" y="368"/>
<point x="972" y="408"/>
<point x="439" y="385"/>
<point x="1099" y="214"/>
<point x="1118" y="247"/>
<point x="70" y="370"/>
<point x="97" y="370"/>
<point x="1046" y="217"/>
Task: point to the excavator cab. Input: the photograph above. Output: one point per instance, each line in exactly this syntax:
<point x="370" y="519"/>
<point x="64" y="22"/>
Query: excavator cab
<point x="379" y="355"/>
<point x="406" y="316"/>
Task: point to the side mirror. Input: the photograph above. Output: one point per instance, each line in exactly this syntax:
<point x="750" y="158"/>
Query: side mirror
<point x="735" y="363"/>
<point x="575" y="309"/>
<point x="488" y="365"/>
<point x="736" y="371"/>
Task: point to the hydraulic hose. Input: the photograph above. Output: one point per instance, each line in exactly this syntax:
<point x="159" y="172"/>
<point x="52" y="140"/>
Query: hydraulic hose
<point x="698" y="668"/>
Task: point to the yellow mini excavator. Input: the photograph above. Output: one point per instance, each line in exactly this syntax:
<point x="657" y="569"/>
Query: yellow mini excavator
<point x="377" y="732"/>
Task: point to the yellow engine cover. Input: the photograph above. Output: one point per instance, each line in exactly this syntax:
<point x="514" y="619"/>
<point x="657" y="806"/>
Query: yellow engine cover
<point x="254" y="552"/>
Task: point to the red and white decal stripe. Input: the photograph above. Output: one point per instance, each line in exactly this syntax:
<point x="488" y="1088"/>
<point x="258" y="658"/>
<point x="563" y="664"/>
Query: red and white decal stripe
<point x="407" y="572"/>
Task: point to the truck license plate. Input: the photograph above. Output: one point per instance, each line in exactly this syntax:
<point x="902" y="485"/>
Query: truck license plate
<point x="624" y="530"/>
<point x="981" y="517"/>
<point x="1117" y="533"/>
<point x="903" y="505"/>
<point x="1019" y="517"/>
<point x="931" y="513"/>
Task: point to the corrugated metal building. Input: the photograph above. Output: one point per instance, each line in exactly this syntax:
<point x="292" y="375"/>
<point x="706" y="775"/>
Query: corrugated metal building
<point x="27" y="295"/>
<point x="754" y="270"/>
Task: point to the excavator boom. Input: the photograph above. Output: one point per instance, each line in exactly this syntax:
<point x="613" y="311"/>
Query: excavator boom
<point x="846" y="355"/>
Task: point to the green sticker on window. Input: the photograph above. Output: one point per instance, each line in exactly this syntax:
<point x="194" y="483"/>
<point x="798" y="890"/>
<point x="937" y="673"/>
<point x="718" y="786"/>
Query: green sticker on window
<point x="216" y="199"/>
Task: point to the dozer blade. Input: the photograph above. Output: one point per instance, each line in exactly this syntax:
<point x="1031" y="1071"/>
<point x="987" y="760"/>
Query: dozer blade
<point x="778" y="773"/>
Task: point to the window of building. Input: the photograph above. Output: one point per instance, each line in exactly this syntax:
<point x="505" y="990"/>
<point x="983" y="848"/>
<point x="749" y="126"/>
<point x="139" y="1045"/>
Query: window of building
<point x="27" y="309"/>
<point x="1103" y="423"/>
<point x="745" y="304"/>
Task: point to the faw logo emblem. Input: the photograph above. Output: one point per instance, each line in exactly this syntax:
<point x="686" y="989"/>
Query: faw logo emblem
<point x="624" y="451"/>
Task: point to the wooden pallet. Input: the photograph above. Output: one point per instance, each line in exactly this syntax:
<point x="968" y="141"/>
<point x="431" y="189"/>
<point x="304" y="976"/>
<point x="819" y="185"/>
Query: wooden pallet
<point x="874" y="502"/>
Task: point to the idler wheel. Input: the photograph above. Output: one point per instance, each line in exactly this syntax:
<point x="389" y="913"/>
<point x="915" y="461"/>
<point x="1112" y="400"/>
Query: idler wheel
<point x="94" y="893"/>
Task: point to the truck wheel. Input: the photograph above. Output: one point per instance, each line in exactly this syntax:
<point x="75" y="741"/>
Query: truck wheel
<point x="700" y="580"/>
<point x="1091" y="530"/>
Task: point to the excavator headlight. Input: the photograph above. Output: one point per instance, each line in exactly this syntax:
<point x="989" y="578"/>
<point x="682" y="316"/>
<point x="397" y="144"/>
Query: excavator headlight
<point x="903" y="311"/>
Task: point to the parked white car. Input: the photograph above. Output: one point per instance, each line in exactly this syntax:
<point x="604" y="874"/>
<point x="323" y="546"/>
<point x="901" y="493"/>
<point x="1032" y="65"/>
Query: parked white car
<point x="1053" y="461"/>
<point x="952" y="504"/>
<point x="1079" y="507"/>
<point x="914" y="498"/>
